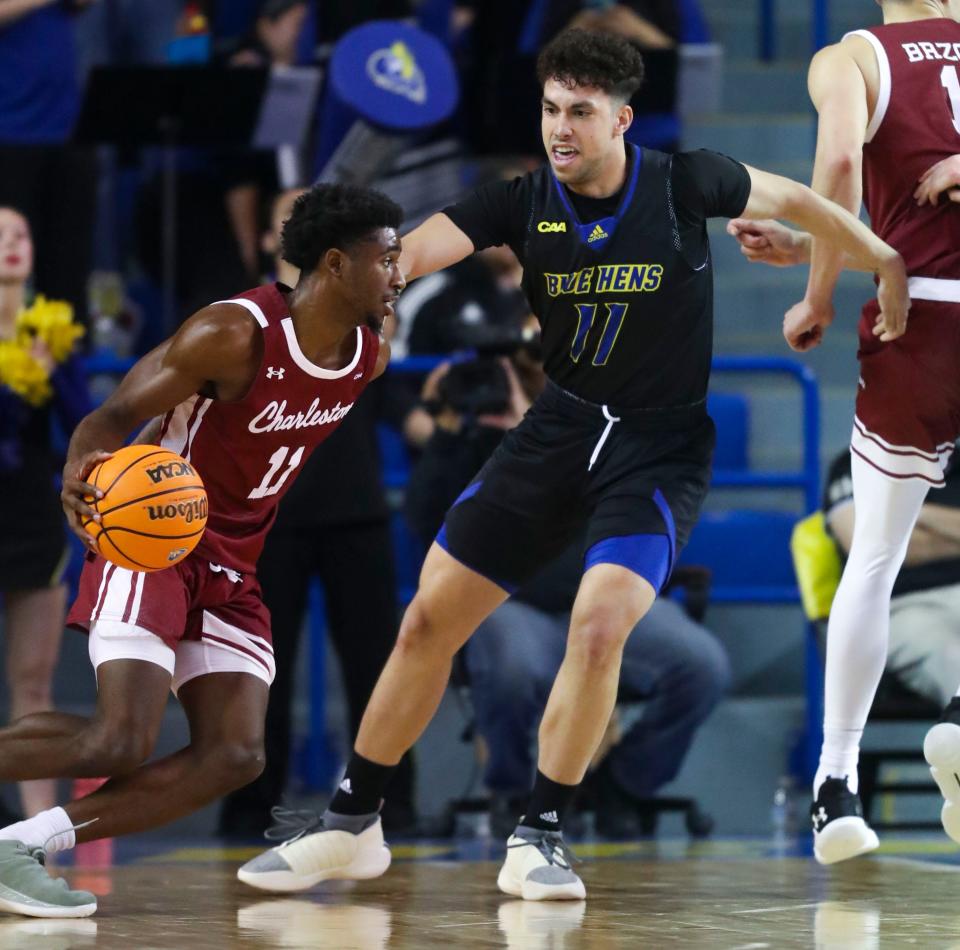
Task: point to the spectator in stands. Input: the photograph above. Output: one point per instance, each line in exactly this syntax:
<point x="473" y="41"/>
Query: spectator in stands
<point x="39" y="372"/>
<point x="674" y="664"/>
<point x="333" y="525"/>
<point x="503" y="40"/>
<point x="52" y="182"/>
<point x="924" y="650"/>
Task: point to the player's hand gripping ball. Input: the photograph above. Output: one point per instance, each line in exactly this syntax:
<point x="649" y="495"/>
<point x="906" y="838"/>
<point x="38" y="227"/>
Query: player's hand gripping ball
<point x="153" y="510"/>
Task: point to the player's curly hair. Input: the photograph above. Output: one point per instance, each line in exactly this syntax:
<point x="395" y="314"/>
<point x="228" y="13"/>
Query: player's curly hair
<point x="338" y="216"/>
<point x="585" y="58"/>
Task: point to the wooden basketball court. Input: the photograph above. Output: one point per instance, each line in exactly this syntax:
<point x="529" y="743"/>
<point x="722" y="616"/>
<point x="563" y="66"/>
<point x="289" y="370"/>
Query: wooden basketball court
<point x="736" y="895"/>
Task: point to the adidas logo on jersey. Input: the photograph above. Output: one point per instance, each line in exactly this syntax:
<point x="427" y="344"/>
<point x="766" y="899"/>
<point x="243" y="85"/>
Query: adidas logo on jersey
<point x="550" y="816"/>
<point x="345" y="787"/>
<point x="597" y="234"/>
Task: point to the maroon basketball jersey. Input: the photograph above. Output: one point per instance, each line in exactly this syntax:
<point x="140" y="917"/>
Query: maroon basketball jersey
<point x="916" y="123"/>
<point x="249" y="452"/>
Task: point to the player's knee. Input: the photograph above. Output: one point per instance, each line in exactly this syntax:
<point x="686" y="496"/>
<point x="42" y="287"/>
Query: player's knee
<point x="597" y="641"/>
<point x="115" y="750"/>
<point x="419" y="631"/>
<point x="234" y="763"/>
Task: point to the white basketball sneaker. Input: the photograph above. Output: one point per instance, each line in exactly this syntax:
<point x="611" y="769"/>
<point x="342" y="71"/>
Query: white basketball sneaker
<point x="538" y="867"/>
<point x="312" y="856"/>
<point x="839" y="831"/>
<point x="941" y="749"/>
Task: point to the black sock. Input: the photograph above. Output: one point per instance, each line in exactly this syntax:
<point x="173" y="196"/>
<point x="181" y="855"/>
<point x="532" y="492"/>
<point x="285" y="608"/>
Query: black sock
<point x="361" y="790"/>
<point x="549" y="803"/>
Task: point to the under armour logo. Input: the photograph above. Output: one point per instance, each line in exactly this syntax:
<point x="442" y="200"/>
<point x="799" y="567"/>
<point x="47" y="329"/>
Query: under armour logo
<point x="278" y="373"/>
<point x="550" y="816"/>
<point x="358" y="375"/>
<point x="345" y="787"/>
<point x="820" y="819"/>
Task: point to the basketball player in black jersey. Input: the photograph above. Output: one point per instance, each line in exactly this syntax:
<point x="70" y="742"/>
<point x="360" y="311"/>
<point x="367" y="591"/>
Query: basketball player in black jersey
<point x="617" y="268"/>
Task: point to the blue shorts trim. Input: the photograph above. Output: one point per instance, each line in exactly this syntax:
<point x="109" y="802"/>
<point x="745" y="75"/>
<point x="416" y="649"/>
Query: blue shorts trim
<point x="444" y="542"/>
<point x="648" y="555"/>
<point x="667" y="514"/>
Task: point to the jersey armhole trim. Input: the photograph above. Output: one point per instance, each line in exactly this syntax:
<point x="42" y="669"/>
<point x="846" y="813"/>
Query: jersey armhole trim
<point x="255" y="310"/>
<point x="886" y="82"/>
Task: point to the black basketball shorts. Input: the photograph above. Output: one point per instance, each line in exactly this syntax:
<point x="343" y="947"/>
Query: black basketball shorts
<point x="573" y="467"/>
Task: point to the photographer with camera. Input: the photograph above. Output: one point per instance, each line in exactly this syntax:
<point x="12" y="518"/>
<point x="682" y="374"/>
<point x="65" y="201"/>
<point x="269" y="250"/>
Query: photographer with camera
<point x="675" y="665"/>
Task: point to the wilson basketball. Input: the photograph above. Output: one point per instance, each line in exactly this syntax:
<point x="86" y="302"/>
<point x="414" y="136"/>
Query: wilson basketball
<point x="153" y="510"/>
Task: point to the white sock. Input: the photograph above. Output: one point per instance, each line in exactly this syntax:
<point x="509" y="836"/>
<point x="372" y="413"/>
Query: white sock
<point x="51" y="829"/>
<point x="859" y="627"/>
<point x="838" y="758"/>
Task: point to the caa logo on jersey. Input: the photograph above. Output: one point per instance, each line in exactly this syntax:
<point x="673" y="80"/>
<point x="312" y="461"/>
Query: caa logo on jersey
<point x="552" y="227"/>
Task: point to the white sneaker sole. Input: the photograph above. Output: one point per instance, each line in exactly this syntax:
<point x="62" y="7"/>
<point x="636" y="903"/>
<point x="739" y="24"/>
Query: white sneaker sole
<point x="33" y="909"/>
<point x="337" y="855"/>
<point x="844" y="838"/>
<point x="941" y="749"/>
<point x="532" y="891"/>
<point x="362" y="868"/>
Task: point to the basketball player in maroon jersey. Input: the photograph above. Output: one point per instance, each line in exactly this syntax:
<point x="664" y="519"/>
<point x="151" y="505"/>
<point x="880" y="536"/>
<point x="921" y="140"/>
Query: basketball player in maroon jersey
<point x="247" y="388"/>
<point x="888" y="100"/>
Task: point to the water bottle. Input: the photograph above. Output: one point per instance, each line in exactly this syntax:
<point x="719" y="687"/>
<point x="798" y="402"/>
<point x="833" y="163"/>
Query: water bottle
<point x="783" y="814"/>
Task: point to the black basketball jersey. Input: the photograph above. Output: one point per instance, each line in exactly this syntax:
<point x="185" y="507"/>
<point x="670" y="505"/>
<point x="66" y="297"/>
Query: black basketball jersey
<point x="625" y="302"/>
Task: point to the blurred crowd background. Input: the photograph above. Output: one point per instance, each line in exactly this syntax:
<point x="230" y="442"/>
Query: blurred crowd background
<point x="149" y="153"/>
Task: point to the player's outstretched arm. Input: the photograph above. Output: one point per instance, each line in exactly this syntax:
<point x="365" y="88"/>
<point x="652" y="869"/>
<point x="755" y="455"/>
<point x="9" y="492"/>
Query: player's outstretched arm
<point x="770" y="242"/>
<point x="435" y="244"/>
<point x="773" y="196"/>
<point x="215" y="350"/>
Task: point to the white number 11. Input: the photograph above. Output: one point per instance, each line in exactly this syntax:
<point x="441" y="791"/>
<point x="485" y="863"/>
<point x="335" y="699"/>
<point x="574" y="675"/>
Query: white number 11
<point x="276" y="460"/>
<point x="951" y="82"/>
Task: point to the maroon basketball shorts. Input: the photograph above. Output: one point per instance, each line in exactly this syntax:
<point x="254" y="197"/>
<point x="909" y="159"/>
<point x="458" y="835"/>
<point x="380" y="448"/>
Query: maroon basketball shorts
<point x="192" y="619"/>
<point x="908" y="396"/>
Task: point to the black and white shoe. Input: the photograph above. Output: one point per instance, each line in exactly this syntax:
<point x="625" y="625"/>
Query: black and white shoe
<point x="941" y="749"/>
<point x="839" y="831"/>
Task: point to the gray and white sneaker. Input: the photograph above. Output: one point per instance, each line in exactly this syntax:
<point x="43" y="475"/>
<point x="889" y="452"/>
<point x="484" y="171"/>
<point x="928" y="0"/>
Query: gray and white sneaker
<point x="539" y="867"/>
<point x="26" y="888"/>
<point x="316" y="853"/>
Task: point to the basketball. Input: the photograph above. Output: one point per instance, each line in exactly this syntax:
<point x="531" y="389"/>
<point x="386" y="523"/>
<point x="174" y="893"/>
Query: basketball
<point x="153" y="510"/>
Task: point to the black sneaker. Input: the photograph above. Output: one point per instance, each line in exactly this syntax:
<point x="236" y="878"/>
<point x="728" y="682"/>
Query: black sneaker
<point x="839" y="831"/>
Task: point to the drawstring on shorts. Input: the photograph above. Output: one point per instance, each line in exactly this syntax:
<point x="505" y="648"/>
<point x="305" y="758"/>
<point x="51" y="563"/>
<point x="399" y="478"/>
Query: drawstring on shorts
<point x="603" y="438"/>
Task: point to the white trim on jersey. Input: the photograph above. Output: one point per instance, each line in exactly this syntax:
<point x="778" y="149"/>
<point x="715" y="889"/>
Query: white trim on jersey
<point x="191" y="435"/>
<point x="934" y="288"/>
<point x="312" y="369"/>
<point x="886" y="83"/>
<point x="176" y="436"/>
<point x="899" y="461"/>
<point x="254" y="309"/>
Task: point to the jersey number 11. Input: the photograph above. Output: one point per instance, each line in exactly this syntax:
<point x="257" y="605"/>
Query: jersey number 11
<point x="587" y="314"/>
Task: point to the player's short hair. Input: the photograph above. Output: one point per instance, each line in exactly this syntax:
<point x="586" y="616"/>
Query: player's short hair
<point x="585" y="58"/>
<point x="338" y="216"/>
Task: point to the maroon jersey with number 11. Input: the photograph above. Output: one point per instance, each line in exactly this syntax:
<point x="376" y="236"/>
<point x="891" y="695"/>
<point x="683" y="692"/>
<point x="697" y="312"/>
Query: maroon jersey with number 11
<point x="249" y="452"/>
